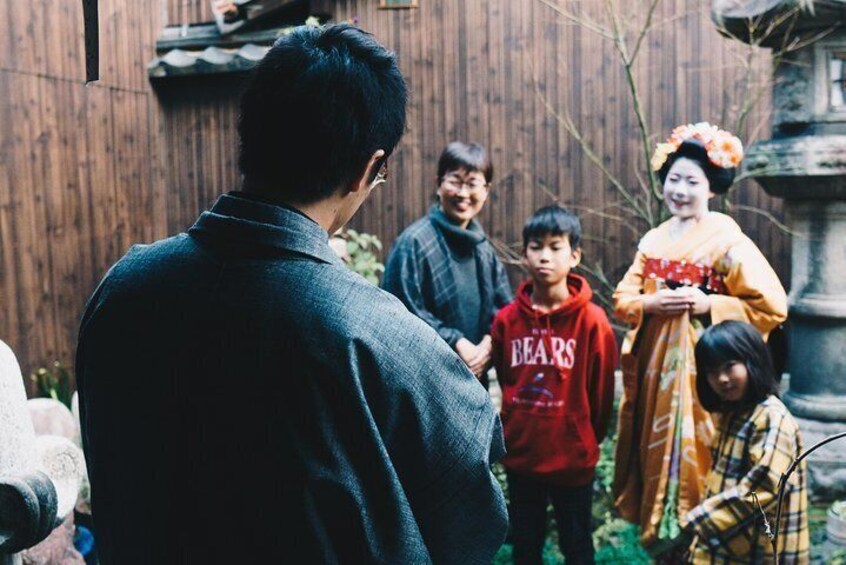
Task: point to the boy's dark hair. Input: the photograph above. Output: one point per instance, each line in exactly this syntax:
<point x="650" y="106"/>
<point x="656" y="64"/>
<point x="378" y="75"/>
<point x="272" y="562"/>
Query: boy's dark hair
<point x="315" y="109"/>
<point x="720" y="179"/>
<point x="471" y="157"/>
<point x="553" y="220"/>
<point x="734" y="341"/>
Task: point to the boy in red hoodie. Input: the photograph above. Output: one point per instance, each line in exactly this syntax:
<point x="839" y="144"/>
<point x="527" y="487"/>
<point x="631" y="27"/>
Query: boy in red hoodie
<point x="554" y="353"/>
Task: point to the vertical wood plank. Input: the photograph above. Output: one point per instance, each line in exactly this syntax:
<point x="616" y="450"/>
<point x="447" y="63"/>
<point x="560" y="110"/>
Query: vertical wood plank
<point x="86" y="172"/>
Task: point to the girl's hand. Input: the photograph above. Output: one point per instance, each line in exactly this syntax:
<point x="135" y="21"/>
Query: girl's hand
<point x="668" y="302"/>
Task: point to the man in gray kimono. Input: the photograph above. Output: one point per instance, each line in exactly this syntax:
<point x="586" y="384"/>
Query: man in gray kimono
<point x="247" y="399"/>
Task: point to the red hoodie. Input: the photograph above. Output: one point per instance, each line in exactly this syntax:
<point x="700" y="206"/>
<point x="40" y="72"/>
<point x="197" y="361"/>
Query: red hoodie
<point x="556" y="371"/>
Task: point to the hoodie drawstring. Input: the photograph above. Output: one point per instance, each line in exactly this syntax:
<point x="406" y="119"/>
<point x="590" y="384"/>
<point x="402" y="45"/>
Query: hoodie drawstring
<point x="547" y="340"/>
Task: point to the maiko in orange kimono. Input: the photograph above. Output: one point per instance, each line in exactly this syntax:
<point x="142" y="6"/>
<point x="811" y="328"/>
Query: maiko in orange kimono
<point x="663" y="453"/>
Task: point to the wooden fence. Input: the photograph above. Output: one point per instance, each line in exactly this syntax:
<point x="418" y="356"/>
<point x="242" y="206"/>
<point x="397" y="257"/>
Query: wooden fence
<point x="87" y="171"/>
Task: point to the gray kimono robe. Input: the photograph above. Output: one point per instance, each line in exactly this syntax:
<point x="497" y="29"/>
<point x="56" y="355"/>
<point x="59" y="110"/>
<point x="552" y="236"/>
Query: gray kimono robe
<point x="245" y="396"/>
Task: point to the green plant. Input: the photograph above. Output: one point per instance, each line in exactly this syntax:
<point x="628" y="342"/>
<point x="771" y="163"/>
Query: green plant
<point x="54" y="382"/>
<point x="618" y="541"/>
<point x="361" y="254"/>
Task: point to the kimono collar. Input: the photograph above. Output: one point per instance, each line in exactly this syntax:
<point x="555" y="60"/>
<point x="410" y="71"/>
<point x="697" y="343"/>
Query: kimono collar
<point x="461" y="239"/>
<point x="253" y="221"/>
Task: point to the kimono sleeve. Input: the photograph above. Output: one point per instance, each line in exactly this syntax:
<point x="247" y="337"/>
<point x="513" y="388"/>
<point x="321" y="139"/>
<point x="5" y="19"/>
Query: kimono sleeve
<point x="726" y="520"/>
<point x="442" y="434"/>
<point x="114" y="413"/>
<point x="628" y="299"/>
<point x="404" y="279"/>
<point x="755" y="294"/>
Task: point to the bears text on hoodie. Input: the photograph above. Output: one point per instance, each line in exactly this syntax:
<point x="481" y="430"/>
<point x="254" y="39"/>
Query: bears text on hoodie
<point x="556" y="371"/>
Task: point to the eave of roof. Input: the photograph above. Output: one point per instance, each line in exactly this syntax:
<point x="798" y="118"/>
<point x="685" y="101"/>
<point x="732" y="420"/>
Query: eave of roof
<point x="743" y="19"/>
<point x="202" y="50"/>
<point x="209" y="61"/>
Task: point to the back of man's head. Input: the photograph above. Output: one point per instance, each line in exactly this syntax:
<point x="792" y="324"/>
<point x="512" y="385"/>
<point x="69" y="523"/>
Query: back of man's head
<point x="316" y="108"/>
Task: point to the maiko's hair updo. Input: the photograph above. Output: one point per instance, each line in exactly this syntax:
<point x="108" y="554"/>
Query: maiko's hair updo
<point x="719" y="178"/>
<point x="717" y="152"/>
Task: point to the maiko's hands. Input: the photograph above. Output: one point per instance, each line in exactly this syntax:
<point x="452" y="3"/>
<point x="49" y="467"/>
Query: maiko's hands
<point x="668" y="302"/>
<point x="700" y="303"/>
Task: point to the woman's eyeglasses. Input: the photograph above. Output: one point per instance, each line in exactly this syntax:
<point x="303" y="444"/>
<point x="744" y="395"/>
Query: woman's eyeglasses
<point x="454" y="185"/>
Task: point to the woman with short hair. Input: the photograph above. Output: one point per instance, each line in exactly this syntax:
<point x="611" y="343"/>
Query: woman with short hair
<point x="443" y="267"/>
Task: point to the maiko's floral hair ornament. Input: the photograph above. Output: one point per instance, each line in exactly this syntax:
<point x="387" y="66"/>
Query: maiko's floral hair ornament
<point x="724" y="149"/>
<point x="717" y="151"/>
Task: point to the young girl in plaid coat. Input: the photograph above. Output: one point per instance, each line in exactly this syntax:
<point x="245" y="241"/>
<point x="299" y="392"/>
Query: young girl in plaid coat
<point x="756" y="443"/>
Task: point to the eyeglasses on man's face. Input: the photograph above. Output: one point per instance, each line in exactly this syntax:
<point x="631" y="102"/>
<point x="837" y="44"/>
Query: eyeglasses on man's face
<point x="454" y="184"/>
<point x="382" y="175"/>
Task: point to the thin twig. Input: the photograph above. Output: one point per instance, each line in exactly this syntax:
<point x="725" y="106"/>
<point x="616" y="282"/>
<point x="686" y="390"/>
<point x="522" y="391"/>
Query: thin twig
<point x="781" y="226"/>
<point x="597" y="273"/>
<point x="674" y="18"/>
<point x="590" y="211"/>
<point x="505" y="252"/>
<point x="646" y="27"/>
<point x="628" y="62"/>
<point x="571" y="128"/>
<point x="802" y="43"/>
<point x="585" y="23"/>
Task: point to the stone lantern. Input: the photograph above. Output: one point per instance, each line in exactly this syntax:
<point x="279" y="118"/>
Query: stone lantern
<point x="40" y="475"/>
<point x="805" y="164"/>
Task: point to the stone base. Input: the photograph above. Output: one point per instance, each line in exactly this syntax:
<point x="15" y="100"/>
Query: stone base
<point x="826" y="465"/>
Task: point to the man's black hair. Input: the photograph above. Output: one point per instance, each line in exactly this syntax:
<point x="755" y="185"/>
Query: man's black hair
<point x="314" y="111"/>
<point x="471" y="157"/>
<point x="727" y="342"/>
<point x="719" y="178"/>
<point x="553" y="220"/>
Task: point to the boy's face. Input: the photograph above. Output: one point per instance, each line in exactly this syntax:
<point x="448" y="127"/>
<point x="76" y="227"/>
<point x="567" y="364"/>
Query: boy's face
<point x="550" y="259"/>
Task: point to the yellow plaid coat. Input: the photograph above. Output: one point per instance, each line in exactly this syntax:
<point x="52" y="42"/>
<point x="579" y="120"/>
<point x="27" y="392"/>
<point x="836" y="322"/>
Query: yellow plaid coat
<point x="752" y="450"/>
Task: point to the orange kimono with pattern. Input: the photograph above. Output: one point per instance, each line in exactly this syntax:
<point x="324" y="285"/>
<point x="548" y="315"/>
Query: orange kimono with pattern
<point x="663" y="450"/>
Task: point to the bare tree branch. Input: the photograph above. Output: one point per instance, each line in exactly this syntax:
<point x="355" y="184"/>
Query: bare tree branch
<point x="597" y="273"/>
<point x="506" y="253"/>
<point x="646" y="27"/>
<point x="574" y="131"/>
<point x="775" y="221"/>
<point x="590" y="211"/>
<point x="582" y="22"/>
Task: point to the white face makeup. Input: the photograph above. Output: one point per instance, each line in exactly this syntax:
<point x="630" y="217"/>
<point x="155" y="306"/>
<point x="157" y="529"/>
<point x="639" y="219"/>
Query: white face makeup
<point x="687" y="190"/>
